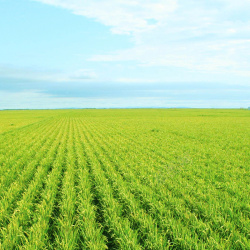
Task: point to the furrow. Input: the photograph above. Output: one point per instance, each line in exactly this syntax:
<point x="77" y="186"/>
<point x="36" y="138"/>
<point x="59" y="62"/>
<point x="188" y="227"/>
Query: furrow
<point x="146" y="226"/>
<point x="119" y="228"/>
<point x="14" y="165"/>
<point x="16" y="232"/>
<point x="38" y="235"/>
<point x="201" y="228"/>
<point x="12" y="195"/>
<point x="90" y="231"/>
<point x="67" y="234"/>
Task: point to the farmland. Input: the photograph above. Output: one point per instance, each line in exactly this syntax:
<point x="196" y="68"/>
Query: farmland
<point x="125" y="179"/>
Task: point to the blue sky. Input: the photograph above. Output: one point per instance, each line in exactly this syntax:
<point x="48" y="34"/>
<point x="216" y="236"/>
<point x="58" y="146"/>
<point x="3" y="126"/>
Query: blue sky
<point x="117" y="53"/>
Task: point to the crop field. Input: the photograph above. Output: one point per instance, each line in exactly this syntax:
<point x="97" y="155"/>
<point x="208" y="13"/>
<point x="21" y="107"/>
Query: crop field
<point x="125" y="179"/>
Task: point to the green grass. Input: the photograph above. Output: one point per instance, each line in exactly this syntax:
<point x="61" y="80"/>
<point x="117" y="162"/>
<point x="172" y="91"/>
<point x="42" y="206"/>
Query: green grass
<point x="125" y="179"/>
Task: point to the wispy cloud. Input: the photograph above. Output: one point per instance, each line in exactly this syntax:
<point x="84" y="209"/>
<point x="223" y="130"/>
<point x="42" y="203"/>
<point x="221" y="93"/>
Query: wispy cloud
<point x="204" y="36"/>
<point x="32" y="74"/>
<point x="219" y="56"/>
<point x="123" y="16"/>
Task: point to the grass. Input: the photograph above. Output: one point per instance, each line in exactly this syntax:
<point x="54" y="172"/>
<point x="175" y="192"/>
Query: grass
<point x="125" y="179"/>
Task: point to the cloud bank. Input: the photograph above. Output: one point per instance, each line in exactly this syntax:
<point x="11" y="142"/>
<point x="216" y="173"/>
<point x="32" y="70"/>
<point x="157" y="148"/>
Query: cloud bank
<point x="25" y="74"/>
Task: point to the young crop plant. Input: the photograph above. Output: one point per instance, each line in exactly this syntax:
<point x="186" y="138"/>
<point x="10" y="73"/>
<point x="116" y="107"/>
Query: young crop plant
<point x="125" y="179"/>
<point x="67" y="233"/>
<point x="90" y="231"/>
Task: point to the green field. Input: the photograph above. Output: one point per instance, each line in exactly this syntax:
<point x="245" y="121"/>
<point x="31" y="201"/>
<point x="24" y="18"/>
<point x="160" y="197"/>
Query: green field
<point x="125" y="179"/>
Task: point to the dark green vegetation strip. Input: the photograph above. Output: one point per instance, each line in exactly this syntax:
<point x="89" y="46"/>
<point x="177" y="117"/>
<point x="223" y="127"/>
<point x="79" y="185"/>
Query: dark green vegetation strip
<point x="125" y="179"/>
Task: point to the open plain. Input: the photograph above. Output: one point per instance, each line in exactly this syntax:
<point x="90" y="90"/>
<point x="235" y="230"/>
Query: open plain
<point x="125" y="179"/>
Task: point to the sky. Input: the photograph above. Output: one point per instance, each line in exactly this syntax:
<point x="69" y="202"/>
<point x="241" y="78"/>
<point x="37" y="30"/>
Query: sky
<point x="124" y="53"/>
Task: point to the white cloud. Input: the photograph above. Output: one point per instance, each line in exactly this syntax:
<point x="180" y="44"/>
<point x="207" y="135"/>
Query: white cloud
<point x="209" y="36"/>
<point x="123" y="16"/>
<point x="218" y="57"/>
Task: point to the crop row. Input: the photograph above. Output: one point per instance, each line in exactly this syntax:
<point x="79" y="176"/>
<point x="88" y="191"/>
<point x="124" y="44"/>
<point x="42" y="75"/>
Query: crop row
<point x="76" y="183"/>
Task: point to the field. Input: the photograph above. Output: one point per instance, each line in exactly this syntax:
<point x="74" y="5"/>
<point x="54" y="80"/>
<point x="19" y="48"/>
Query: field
<point x="125" y="179"/>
